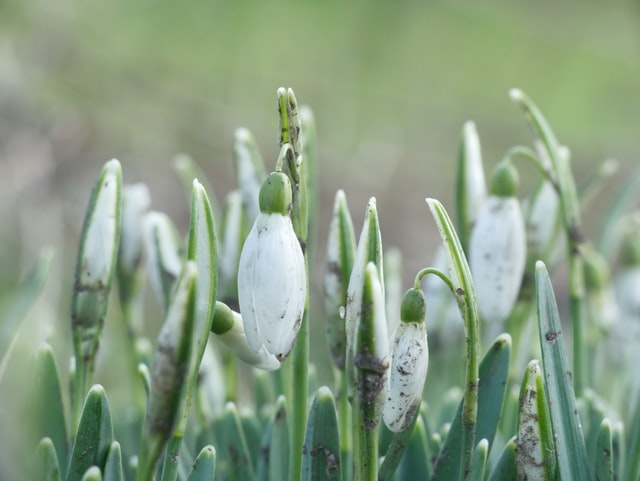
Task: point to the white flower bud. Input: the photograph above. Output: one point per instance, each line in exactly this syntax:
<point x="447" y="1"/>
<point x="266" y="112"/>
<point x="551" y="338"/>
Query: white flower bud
<point x="497" y="257"/>
<point x="271" y="275"/>
<point x="498" y="250"/>
<point x="409" y="364"/>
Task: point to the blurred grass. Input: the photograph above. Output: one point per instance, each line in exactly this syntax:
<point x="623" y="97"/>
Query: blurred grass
<point x="391" y="84"/>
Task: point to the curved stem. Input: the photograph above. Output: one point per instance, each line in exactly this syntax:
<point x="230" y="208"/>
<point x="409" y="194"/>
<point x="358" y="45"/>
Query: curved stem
<point x="464" y="290"/>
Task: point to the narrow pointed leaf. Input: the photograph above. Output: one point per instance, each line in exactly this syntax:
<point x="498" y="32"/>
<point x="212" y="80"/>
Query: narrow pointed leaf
<point x="188" y="169"/>
<point x="321" y="449"/>
<point x="95" y="267"/>
<point x="204" y="466"/>
<point x="536" y="456"/>
<point x="45" y="462"/>
<point x="494" y="370"/>
<point x="604" y="453"/>
<point x="113" y="466"/>
<point x="414" y="459"/>
<point x="505" y="468"/>
<point x="94" y="436"/>
<point x="24" y="298"/>
<point x="572" y="455"/>
<point x="170" y="363"/>
<point x="234" y="459"/>
<point x="278" y="460"/>
<point x="250" y="171"/>
<point x="479" y="461"/>
<point x="202" y="250"/>
<point x="470" y="186"/>
<point x="48" y="405"/>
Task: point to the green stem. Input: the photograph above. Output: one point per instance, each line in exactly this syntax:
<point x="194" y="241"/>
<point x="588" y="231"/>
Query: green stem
<point x="171" y="459"/>
<point x="464" y="291"/>
<point x="300" y="394"/>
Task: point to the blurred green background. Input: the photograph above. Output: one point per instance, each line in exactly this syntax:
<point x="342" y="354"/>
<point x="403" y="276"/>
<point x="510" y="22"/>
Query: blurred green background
<point x="391" y="84"/>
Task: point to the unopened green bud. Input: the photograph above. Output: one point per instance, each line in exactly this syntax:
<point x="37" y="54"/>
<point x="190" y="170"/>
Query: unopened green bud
<point x="275" y="194"/>
<point x="597" y="274"/>
<point x="413" y="307"/>
<point x="504" y="180"/>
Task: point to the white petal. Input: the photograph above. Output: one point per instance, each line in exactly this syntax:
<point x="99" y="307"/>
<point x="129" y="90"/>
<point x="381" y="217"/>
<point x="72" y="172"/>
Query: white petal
<point x="409" y="363"/>
<point x="272" y="285"/>
<point x="497" y="255"/>
<point x="246" y="267"/>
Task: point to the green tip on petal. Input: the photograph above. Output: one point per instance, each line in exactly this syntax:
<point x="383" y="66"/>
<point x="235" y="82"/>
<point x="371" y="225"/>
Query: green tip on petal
<point x="275" y="194"/>
<point x="413" y="307"/>
<point x="504" y="180"/>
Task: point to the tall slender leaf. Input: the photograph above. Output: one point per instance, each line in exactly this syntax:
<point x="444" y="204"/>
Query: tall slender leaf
<point x="321" y="448"/>
<point x="570" y="447"/>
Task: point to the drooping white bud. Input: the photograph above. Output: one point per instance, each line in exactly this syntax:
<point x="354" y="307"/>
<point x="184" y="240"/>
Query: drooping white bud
<point x="409" y="364"/>
<point x="272" y="274"/>
<point x="497" y="249"/>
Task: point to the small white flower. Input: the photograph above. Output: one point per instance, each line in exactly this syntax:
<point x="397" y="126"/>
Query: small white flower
<point x="409" y="364"/>
<point x="271" y="275"/>
<point x="497" y="249"/>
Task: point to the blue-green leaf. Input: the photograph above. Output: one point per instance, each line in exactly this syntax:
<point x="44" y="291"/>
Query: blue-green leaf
<point x="45" y="466"/>
<point x="204" y="466"/>
<point x="94" y="436"/>
<point x="321" y="449"/>
<point x="570" y="447"/>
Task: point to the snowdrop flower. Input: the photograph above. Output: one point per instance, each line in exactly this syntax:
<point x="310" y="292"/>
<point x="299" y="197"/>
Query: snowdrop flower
<point x="497" y="249"/>
<point x="229" y="330"/>
<point x="409" y="363"/>
<point x="271" y="274"/>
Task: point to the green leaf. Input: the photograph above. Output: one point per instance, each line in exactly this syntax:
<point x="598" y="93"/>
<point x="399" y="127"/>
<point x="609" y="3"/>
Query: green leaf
<point x="94" y="436"/>
<point x="202" y="250"/>
<point x="278" y="462"/>
<point x="164" y="260"/>
<point x="250" y="171"/>
<point x="48" y="405"/>
<point x="505" y="468"/>
<point x="632" y="441"/>
<point x="95" y="267"/>
<point x="170" y="363"/>
<point x="536" y="455"/>
<point x="188" y="170"/>
<point x="479" y="461"/>
<point x="341" y="247"/>
<point x="415" y="460"/>
<point x="321" y="449"/>
<point x="204" y="467"/>
<point x="45" y="466"/>
<point x="23" y="299"/>
<point x="113" y="466"/>
<point x="470" y="185"/>
<point x="494" y="370"/>
<point x="604" y="453"/>
<point x="572" y="455"/>
<point x="234" y="460"/>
